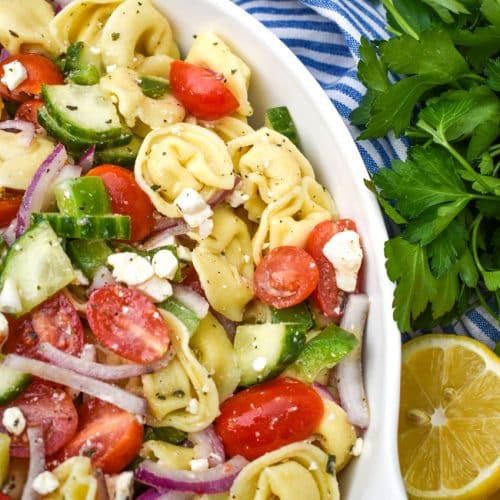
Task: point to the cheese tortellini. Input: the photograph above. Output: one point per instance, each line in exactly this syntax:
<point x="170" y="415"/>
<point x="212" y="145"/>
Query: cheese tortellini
<point x="128" y="33"/>
<point x="76" y="480"/>
<point x="182" y="156"/>
<point x="227" y="128"/>
<point x="293" y="472"/>
<point x="168" y="455"/>
<point x="224" y="265"/>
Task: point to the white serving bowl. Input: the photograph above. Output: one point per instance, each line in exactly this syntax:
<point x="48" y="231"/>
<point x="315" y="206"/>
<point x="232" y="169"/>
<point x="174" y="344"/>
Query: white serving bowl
<point x="279" y="78"/>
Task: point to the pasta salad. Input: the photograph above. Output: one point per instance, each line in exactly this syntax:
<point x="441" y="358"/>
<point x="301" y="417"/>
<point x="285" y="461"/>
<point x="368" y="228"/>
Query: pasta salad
<point x="181" y="313"/>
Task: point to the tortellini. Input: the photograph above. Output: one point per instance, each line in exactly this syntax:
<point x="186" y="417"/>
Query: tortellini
<point x="23" y="27"/>
<point x="227" y="128"/>
<point x="270" y="166"/>
<point x="128" y="33"/>
<point x="182" y="156"/>
<point x="293" y="472"/>
<point x="209" y="51"/>
<point x="76" y="480"/>
<point x="181" y="395"/>
<point x="168" y="455"/>
<point x="224" y="265"/>
<point x="122" y="84"/>
<point x="18" y="162"/>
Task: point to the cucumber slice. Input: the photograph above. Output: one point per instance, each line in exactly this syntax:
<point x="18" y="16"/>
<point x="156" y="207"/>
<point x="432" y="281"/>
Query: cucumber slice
<point x="37" y="266"/>
<point x="168" y="434"/>
<point x="73" y="142"/>
<point x="4" y="457"/>
<point x="89" y="227"/>
<point x="82" y="196"/>
<point x="81" y="66"/>
<point x="323" y="351"/>
<point x="83" y="110"/>
<point x="154" y="86"/>
<point x="183" y="313"/>
<point x="281" y="120"/>
<point x="88" y="255"/>
<point x="12" y="383"/>
<point x="263" y="351"/>
<point x="121" y="155"/>
<point x="299" y="315"/>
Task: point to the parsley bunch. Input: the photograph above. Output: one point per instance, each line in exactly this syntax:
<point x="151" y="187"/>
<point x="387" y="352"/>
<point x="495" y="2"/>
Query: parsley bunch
<point x="438" y="82"/>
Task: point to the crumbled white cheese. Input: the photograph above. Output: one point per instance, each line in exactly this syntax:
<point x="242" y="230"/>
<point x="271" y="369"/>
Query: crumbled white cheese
<point x="237" y="198"/>
<point x="259" y="363"/>
<point x="184" y="253"/>
<point x="343" y="250"/>
<point x="13" y="420"/>
<point x="193" y="406"/>
<point x="110" y="68"/>
<point x="313" y="466"/>
<point x="157" y="289"/>
<point x="130" y="268"/>
<point x="4" y="329"/>
<point x="358" y="447"/>
<point x="165" y="264"/>
<point x="10" y="302"/>
<point x="80" y="278"/>
<point x="246" y="258"/>
<point x="160" y="240"/>
<point x="45" y="483"/>
<point x="195" y="210"/>
<point x="123" y="486"/>
<point x="14" y="74"/>
<point x="198" y="464"/>
<point x="95" y="50"/>
<point x="206" y="227"/>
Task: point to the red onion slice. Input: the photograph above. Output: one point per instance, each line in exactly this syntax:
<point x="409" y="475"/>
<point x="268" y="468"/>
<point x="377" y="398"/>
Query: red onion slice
<point x="87" y="160"/>
<point x="169" y="495"/>
<point x="68" y="172"/>
<point x="192" y="300"/>
<point x="102" y="277"/>
<point x="89" y="352"/>
<point x="97" y="370"/>
<point x="107" y="392"/>
<point x="4" y="54"/>
<point x="207" y="444"/>
<point x="26" y="130"/>
<point x="215" y="480"/>
<point x="9" y="234"/>
<point x="349" y="373"/>
<point x="222" y="194"/>
<point x="38" y="194"/>
<point x="322" y="391"/>
<point x="37" y="461"/>
<point x="228" y="324"/>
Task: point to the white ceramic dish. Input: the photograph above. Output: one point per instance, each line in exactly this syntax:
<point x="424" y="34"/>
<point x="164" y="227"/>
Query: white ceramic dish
<point x="279" y="78"/>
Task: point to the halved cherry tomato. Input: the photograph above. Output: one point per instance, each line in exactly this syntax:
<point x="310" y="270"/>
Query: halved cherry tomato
<point x="49" y="407"/>
<point x="10" y="201"/>
<point x="127" y="198"/>
<point x="285" y="277"/>
<point x="109" y="436"/>
<point x="201" y="92"/>
<point x="267" y="416"/>
<point x="40" y="70"/>
<point x="128" y="323"/>
<point x="55" y="321"/>
<point x="327" y="296"/>
<point x="28" y="111"/>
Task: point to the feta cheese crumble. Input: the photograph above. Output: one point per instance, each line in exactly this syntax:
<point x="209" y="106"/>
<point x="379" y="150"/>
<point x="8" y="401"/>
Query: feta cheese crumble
<point x="10" y="301"/>
<point x="123" y="486"/>
<point x="130" y="268"/>
<point x="45" y="483"/>
<point x="4" y="329"/>
<point x="13" y="420"/>
<point x="344" y="251"/>
<point x="157" y="289"/>
<point x="358" y="447"/>
<point x="237" y="198"/>
<point x="198" y="464"/>
<point x="14" y="74"/>
<point x="195" y="211"/>
<point x="165" y="264"/>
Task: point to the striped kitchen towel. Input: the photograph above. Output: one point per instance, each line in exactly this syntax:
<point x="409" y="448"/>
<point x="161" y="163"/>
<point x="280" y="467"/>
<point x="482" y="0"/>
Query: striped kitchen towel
<point x="325" y="35"/>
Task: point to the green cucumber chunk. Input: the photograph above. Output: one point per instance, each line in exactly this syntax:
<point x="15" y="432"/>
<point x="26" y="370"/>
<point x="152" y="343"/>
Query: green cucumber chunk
<point x="281" y="120"/>
<point x="168" y="434"/>
<point x="323" y="351"/>
<point x="299" y="315"/>
<point x="37" y="266"/>
<point x="263" y="351"/>
<point x="12" y="383"/>
<point x="89" y="227"/>
<point x="4" y="457"/>
<point x="88" y="255"/>
<point x="182" y="312"/>
<point x="81" y="65"/>
<point x="83" y="110"/>
<point x="154" y="86"/>
<point x="124" y="156"/>
<point x="82" y="196"/>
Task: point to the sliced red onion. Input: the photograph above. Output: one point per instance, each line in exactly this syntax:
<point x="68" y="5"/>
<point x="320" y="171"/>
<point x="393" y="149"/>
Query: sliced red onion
<point x="170" y="225"/>
<point x="107" y="392"/>
<point x="192" y="300"/>
<point x="323" y="391"/>
<point x="228" y="324"/>
<point x="169" y="495"/>
<point x="26" y="130"/>
<point x="89" y="352"/>
<point x="102" y="277"/>
<point x="87" y="160"/>
<point x="38" y="195"/>
<point x="68" y="172"/>
<point x="9" y="234"/>
<point x="37" y="461"/>
<point x="207" y="444"/>
<point x="215" y="480"/>
<point x="96" y="370"/>
<point x="222" y="194"/>
<point x="349" y="373"/>
<point x="4" y="54"/>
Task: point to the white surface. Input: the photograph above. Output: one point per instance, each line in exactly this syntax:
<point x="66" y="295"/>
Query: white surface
<point x="278" y="78"/>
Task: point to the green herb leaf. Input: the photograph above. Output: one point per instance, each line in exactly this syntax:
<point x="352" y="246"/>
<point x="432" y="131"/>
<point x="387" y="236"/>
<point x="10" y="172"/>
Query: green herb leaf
<point x="371" y="70"/>
<point x="445" y="7"/>
<point x="389" y="210"/>
<point x="492" y="70"/>
<point x="491" y="11"/>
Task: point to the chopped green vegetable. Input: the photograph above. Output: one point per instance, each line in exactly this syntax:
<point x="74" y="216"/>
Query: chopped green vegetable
<point x="167" y="434"/>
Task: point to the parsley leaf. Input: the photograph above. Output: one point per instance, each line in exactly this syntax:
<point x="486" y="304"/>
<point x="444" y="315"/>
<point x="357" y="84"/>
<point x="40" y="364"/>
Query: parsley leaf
<point x="492" y="70"/>
<point x="491" y="11"/>
<point x="371" y="70"/>
<point x="445" y="7"/>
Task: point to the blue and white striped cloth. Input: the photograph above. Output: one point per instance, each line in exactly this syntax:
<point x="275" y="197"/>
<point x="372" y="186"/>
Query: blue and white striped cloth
<point x="325" y="35"/>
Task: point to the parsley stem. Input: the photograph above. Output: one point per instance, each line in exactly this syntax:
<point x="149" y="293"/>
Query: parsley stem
<point x="475" y="229"/>
<point x="473" y="76"/>
<point x="485" y="305"/>
<point x="403" y="24"/>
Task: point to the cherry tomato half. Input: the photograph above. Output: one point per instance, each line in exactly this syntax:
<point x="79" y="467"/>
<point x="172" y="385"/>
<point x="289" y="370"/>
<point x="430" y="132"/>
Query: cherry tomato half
<point x="285" y="277"/>
<point x="55" y="321"/>
<point x="10" y="201"/>
<point x="267" y="416"/>
<point x="201" y="92"/>
<point x="46" y="406"/>
<point x="40" y="70"/>
<point x="327" y="296"/>
<point x="127" y="198"/>
<point x="3" y="496"/>
<point x="128" y="323"/>
<point x="109" y="436"/>
<point x="28" y="111"/>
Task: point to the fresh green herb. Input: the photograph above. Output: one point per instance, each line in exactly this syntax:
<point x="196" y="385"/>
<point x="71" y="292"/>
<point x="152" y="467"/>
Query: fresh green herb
<point x="167" y="434"/>
<point x="446" y="195"/>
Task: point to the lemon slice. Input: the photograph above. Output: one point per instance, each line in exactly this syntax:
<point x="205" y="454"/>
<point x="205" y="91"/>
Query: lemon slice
<point x="449" y="419"/>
